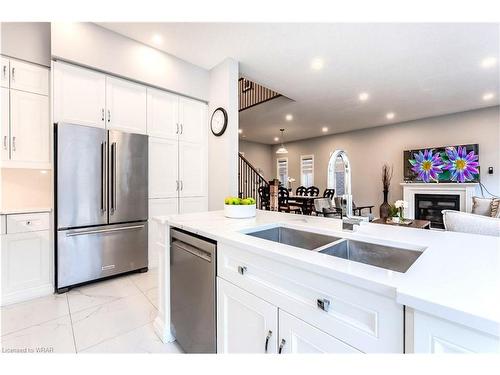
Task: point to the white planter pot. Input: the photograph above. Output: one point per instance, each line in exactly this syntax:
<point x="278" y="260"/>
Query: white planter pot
<point x="240" y="211"/>
<point x="395" y="219"/>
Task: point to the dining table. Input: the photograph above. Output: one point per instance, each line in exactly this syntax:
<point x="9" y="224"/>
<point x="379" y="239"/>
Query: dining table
<point x="306" y="202"/>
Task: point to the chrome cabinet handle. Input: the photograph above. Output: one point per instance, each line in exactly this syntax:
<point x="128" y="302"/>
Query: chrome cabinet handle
<point x="269" y="334"/>
<point x="13" y="74"/>
<point x="282" y="344"/>
<point x="109" y="115"/>
<point x="5" y="142"/>
<point x="323" y="304"/>
<point x="177" y="128"/>
<point x="177" y="185"/>
<point x="102" y="114"/>
<point x="182" y="129"/>
<point x="4" y="71"/>
<point x="182" y="185"/>
<point x="242" y="270"/>
<point x="13" y="143"/>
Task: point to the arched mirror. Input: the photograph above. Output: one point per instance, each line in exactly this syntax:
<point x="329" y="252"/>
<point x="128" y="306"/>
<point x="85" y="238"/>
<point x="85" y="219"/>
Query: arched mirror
<point x="339" y="177"/>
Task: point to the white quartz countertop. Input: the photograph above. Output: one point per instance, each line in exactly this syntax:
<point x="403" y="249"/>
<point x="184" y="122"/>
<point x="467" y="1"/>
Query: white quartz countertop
<point x="28" y="210"/>
<point x="456" y="278"/>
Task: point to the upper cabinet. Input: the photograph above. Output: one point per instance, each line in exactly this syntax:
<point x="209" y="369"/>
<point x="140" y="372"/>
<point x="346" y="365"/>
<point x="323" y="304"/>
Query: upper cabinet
<point x="79" y="95"/>
<point x="5" y="72"/>
<point x="29" y="77"/>
<point x="192" y="120"/>
<point x="29" y="129"/>
<point x="125" y="105"/>
<point x="4" y="126"/>
<point x="163" y="114"/>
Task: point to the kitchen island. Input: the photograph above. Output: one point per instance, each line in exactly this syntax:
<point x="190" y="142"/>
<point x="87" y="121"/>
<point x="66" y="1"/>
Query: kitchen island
<point x="303" y="300"/>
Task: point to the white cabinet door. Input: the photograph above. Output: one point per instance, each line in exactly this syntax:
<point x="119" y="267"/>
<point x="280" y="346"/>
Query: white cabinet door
<point x="297" y="336"/>
<point x="26" y="266"/>
<point x="193" y="120"/>
<point x="4" y="72"/>
<point x="244" y="322"/>
<point x="158" y="207"/>
<point x="29" y="127"/>
<point x="193" y="204"/>
<point x="126" y="105"/>
<point x="4" y="126"/>
<point x="163" y="168"/>
<point x="193" y="169"/>
<point x="163" y="114"/>
<point x="79" y="95"/>
<point x="29" y="77"/>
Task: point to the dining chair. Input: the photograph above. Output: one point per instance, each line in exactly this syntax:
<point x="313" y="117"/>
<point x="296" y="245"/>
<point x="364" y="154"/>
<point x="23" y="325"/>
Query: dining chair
<point x="265" y="197"/>
<point x="324" y="207"/>
<point x="329" y="193"/>
<point x="283" y="202"/>
<point x="312" y="191"/>
<point x="301" y="190"/>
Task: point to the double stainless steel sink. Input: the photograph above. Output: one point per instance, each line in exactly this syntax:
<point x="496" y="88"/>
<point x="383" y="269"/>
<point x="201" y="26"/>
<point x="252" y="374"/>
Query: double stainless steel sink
<point x="388" y="257"/>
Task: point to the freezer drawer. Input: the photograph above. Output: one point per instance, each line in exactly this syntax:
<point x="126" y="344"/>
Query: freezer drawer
<point x="92" y="253"/>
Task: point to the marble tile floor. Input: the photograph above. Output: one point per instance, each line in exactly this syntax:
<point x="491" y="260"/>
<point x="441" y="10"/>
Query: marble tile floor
<point x="113" y="316"/>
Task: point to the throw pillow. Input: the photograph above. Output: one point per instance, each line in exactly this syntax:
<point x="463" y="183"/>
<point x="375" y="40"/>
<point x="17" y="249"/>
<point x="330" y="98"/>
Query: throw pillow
<point x="495" y="207"/>
<point x="481" y="206"/>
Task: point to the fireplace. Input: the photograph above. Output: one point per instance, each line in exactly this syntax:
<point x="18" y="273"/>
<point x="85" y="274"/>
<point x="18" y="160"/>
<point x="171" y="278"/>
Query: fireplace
<point x="429" y="207"/>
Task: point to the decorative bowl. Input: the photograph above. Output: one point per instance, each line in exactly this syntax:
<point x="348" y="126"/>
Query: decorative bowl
<point x="240" y="211"/>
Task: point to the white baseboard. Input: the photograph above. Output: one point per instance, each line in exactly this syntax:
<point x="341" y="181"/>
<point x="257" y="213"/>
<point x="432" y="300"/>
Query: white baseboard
<point x="27" y="294"/>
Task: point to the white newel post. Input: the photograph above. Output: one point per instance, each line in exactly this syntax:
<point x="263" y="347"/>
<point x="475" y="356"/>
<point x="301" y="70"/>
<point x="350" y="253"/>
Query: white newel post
<point x="464" y="190"/>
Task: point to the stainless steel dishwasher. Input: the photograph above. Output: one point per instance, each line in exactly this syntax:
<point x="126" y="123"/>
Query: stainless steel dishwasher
<point x="192" y="291"/>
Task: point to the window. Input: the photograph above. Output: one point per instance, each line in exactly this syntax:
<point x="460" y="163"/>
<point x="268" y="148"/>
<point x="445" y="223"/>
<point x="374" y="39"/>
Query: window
<point x="307" y="170"/>
<point x="282" y="170"/>
<point x="336" y="175"/>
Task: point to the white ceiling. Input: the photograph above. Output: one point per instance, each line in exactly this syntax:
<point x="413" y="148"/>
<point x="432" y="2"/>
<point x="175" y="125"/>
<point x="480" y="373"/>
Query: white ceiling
<point x="413" y="70"/>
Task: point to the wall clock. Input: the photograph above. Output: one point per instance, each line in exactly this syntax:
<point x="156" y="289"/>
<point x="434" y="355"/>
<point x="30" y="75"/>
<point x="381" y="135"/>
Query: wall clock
<point x="218" y="122"/>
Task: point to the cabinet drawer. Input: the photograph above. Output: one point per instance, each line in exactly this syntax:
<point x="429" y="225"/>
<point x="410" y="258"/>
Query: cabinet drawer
<point x="21" y="223"/>
<point x="364" y="320"/>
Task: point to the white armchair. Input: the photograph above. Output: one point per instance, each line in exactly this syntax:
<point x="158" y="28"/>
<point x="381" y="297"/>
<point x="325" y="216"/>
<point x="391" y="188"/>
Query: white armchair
<point x="457" y="221"/>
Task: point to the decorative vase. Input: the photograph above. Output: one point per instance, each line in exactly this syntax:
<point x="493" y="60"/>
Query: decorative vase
<point x="385" y="207"/>
<point x="395" y="219"/>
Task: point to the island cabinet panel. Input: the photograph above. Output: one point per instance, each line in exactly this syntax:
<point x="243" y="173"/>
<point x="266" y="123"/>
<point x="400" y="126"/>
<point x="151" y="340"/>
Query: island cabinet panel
<point x="435" y="335"/>
<point x="296" y="336"/>
<point x="365" y="320"/>
<point x="245" y="323"/>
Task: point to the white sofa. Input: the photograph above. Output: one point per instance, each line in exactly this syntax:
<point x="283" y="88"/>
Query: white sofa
<point x="457" y="221"/>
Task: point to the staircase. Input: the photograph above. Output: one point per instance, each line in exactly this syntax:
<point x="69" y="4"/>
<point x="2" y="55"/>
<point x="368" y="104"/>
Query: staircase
<point x="249" y="180"/>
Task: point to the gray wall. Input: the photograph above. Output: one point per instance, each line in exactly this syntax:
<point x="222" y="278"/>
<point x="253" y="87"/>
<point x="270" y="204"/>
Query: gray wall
<point x="259" y="155"/>
<point x="29" y="41"/>
<point x="369" y="149"/>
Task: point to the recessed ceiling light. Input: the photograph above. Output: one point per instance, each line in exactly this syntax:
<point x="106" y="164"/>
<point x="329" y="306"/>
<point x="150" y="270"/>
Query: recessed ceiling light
<point x="240" y="131"/>
<point x="363" y="96"/>
<point x="157" y="39"/>
<point x="390" y="115"/>
<point x="488" y="62"/>
<point x="317" y="64"/>
<point x="289" y="117"/>
<point x="324" y="129"/>
<point x="488" y="96"/>
<point x="276" y="139"/>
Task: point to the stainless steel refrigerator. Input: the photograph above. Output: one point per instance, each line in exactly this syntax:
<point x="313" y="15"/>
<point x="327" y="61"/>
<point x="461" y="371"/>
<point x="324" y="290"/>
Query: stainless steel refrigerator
<point x="101" y="188"/>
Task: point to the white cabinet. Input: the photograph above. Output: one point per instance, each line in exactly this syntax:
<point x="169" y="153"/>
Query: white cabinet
<point x="193" y="204"/>
<point x="158" y="207"/>
<point x="192" y="120"/>
<point x="125" y="105"/>
<point x="79" y="95"/>
<point x="435" y="335"/>
<point x="163" y="114"/>
<point x="163" y="168"/>
<point x="244" y="322"/>
<point x="27" y="260"/>
<point x="296" y="336"/>
<point x="29" y="129"/>
<point x="29" y="77"/>
<point x="4" y="125"/>
<point x="4" y="72"/>
<point x="193" y="166"/>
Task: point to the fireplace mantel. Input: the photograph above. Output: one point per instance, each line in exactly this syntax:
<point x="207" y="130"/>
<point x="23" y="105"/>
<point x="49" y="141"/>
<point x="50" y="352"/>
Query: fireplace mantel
<point x="465" y="190"/>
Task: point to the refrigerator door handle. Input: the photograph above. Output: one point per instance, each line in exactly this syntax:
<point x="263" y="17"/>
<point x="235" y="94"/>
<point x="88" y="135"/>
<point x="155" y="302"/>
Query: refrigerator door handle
<point x="97" y="231"/>
<point x="113" y="177"/>
<point x="103" y="177"/>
